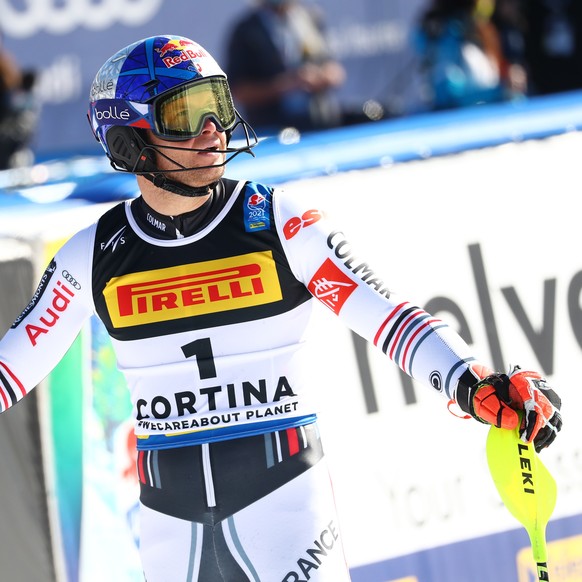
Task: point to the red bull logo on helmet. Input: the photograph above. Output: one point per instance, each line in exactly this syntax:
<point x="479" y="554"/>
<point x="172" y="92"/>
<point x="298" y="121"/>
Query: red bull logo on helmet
<point x="177" y="51"/>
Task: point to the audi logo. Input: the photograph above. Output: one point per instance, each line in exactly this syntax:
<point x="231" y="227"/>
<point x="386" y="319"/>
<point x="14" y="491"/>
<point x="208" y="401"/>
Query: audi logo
<point x="71" y="280"/>
<point x="34" y="16"/>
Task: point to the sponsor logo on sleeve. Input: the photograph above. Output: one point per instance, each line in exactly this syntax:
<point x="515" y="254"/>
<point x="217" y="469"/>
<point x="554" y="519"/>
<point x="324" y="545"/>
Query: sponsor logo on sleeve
<point x="61" y="295"/>
<point x="191" y="290"/>
<point x="295" y="224"/>
<point x="71" y="280"/>
<point x="436" y="380"/>
<point x="331" y="286"/>
<point x="43" y="284"/>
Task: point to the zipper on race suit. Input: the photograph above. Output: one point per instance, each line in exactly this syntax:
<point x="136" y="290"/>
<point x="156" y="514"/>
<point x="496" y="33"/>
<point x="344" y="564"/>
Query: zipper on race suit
<point x="208" y="480"/>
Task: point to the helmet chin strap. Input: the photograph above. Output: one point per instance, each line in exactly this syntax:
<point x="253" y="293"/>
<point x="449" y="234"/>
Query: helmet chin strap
<point x="162" y="181"/>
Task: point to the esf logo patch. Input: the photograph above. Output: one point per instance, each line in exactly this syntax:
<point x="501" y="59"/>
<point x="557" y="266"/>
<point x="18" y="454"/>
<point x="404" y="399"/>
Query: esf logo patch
<point x="257" y="208"/>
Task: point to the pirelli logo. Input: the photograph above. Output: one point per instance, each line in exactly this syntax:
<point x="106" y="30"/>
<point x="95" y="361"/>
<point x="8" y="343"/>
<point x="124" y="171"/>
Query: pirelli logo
<point x="194" y="289"/>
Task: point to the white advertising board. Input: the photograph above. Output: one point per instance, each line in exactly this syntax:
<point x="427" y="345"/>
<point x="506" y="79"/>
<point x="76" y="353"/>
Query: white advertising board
<point x="487" y="240"/>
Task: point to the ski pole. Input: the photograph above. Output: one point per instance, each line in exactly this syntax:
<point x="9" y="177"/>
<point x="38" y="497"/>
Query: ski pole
<point x="526" y="487"/>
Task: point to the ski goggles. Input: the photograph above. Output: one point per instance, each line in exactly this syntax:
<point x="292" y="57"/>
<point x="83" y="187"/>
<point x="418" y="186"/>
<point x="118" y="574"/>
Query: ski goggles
<point x="181" y="114"/>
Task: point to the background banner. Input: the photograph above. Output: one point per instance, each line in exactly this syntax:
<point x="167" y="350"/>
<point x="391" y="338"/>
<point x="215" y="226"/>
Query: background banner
<point x="67" y="42"/>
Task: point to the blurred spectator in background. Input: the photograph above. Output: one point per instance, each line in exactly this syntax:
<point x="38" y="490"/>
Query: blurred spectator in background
<point x="461" y="55"/>
<point x="281" y="71"/>
<point x="18" y="112"/>
<point x="509" y="21"/>
<point x="553" y="45"/>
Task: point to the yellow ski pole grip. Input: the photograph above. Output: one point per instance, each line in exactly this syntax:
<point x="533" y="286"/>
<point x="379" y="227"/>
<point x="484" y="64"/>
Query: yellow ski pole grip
<point x="526" y="487"/>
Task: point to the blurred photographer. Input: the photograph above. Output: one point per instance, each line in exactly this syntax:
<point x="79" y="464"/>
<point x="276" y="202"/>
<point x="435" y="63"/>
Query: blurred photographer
<point x="281" y="69"/>
<point x="18" y="112"/>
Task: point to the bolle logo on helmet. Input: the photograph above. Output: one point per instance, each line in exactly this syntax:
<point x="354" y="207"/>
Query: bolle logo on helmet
<point x="100" y="87"/>
<point x="114" y="111"/>
<point x="60" y="18"/>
